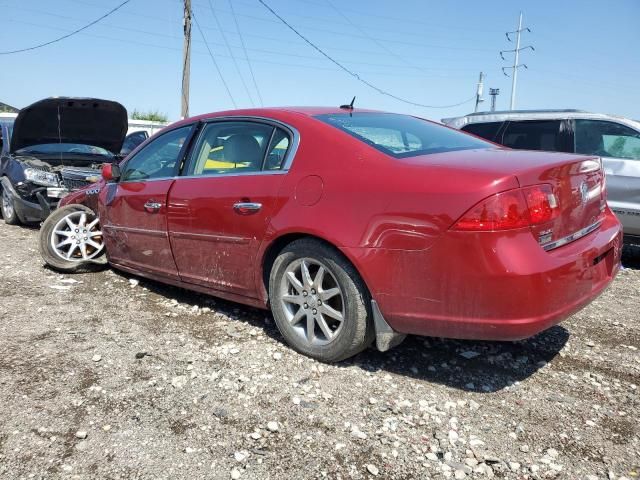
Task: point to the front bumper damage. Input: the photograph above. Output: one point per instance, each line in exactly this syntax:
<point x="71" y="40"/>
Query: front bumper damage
<point x="28" y="211"/>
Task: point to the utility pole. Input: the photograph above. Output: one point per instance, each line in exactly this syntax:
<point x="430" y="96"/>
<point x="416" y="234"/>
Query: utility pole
<point x="494" y="92"/>
<point x="516" y="59"/>
<point x="186" y="58"/>
<point x="479" y="91"/>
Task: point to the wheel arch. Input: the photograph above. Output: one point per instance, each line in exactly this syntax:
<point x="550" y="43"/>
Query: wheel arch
<point x="273" y="248"/>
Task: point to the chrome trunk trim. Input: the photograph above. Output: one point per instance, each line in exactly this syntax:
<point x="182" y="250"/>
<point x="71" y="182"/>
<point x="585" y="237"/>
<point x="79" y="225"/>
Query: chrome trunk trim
<point x="574" y="236"/>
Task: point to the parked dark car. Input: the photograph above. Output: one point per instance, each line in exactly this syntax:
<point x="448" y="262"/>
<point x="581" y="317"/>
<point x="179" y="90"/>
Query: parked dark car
<point x="57" y="146"/>
<point x="351" y="226"/>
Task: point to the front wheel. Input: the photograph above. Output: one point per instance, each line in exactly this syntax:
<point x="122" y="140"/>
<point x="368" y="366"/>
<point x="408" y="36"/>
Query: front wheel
<point x="8" y="209"/>
<point x="319" y="301"/>
<point x="71" y="238"/>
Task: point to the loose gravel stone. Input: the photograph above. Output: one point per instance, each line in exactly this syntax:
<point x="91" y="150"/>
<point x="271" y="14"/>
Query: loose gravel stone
<point x="372" y="469"/>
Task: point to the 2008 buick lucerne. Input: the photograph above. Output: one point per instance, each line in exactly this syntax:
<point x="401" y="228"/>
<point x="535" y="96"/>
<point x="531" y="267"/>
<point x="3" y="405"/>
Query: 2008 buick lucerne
<point x="351" y="225"/>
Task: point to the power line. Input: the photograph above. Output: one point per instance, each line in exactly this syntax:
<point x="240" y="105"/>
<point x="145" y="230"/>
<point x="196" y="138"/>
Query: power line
<point x="235" y="62"/>
<point x="385" y="18"/>
<point x="374" y="40"/>
<point x="121" y="39"/>
<point x="353" y="74"/>
<point x="257" y="50"/>
<point x="213" y="59"/>
<point x="244" y="49"/>
<point x="69" y="34"/>
<point x="257" y="36"/>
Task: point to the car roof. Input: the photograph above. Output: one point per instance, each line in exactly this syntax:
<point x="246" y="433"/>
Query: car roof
<point x="275" y="113"/>
<point x="308" y="111"/>
<point x="551" y="114"/>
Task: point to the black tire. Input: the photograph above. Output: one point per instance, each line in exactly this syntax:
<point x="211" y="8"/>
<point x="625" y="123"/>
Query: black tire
<point x="356" y="332"/>
<point x="10" y="216"/>
<point x="49" y="255"/>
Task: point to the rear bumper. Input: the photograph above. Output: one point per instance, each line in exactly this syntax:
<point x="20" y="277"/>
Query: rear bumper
<point x="490" y="286"/>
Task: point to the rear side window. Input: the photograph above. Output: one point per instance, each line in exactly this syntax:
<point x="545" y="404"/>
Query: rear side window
<point x="535" y="135"/>
<point x="238" y="147"/>
<point x="607" y="139"/>
<point x="485" y="130"/>
<point x="401" y="135"/>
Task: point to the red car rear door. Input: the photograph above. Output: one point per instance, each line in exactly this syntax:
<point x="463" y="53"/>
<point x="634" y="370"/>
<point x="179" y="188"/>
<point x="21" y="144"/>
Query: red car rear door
<point x="133" y="211"/>
<point x="219" y="210"/>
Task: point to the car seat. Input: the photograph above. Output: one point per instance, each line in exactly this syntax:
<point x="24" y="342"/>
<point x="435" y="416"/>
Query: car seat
<point x="243" y="149"/>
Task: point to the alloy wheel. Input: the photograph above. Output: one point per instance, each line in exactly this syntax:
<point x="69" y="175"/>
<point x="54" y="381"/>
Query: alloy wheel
<point x="313" y="301"/>
<point x="7" y="204"/>
<point x="73" y="239"/>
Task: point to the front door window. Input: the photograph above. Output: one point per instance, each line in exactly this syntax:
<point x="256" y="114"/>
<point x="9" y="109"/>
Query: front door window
<point x="158" y="159"/>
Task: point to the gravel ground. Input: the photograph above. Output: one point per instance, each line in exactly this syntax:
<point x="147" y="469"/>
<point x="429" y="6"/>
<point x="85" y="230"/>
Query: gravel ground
<point x="104" y="375"/>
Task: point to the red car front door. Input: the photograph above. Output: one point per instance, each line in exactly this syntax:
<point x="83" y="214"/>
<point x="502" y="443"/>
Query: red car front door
<point x="133" y="211"/>
<point x="219" y="211"/>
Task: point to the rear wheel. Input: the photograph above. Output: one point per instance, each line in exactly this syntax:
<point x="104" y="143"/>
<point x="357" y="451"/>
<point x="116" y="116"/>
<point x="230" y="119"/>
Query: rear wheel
<point x="319" y="302"/>
<point x="71" y="238"/>
<point x="8" y="210"/>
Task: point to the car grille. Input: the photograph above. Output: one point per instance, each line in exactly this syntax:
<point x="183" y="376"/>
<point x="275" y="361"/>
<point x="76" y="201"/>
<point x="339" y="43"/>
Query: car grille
<point x="75" y="178"/>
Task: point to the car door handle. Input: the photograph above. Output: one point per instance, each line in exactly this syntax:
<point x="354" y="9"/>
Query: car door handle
<point x="152" y="206"/>
<point x="247" y="208"/>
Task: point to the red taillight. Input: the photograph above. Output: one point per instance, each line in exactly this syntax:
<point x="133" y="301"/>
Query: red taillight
<point x="521" y="207"/>
<point x="542" y="203"/>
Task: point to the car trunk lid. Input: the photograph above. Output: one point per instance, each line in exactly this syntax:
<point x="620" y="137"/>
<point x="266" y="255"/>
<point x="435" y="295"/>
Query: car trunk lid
<point x="579" y="191"/>
<point x="576" y="181"/>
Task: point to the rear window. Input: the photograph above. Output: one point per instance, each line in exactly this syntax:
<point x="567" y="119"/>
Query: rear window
<point x="485" y="130"/>
<point x="401" y="135"/>
<point x="53" y="148"/>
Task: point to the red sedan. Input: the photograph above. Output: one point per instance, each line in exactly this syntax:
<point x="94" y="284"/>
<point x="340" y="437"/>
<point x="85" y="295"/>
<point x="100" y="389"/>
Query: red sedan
<point x="352" y="226"/>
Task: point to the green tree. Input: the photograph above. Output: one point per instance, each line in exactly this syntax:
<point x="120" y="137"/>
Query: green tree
<point x="152" y="115"/>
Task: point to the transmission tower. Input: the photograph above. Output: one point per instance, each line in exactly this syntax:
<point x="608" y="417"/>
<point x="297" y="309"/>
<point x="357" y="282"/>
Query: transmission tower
<point x="516" y="59"/>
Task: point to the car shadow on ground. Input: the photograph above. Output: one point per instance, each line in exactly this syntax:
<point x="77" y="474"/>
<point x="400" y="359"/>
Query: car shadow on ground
<point x="474" y="366"/>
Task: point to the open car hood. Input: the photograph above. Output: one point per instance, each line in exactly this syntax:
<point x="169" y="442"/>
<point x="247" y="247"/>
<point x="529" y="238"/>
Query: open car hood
<point x="87" y="121"/>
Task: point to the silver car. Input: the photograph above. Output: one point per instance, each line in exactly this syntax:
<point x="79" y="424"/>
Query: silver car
<point x="615" y="139"/>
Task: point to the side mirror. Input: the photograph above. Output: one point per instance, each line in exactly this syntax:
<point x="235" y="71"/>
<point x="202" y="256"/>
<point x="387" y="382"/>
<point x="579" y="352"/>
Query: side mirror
<point x="110" y="172"/>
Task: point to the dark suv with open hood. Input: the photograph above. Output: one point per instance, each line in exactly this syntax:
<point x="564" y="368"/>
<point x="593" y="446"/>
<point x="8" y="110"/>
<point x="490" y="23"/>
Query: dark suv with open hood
<point x="57" y="145"/>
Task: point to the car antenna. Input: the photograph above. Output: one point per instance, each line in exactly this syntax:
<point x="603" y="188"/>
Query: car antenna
<point x="349" y="106"/>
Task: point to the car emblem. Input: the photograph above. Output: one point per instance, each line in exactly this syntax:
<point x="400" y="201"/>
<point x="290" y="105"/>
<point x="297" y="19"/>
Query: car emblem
<point x="584" y="192"/>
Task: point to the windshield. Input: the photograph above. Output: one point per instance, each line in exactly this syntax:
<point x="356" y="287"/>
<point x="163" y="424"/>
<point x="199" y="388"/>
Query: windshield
<point x="53" y="148"/>
<point x="401" y="135"/>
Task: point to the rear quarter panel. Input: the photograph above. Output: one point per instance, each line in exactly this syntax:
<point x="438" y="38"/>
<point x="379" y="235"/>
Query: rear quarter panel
<point x="369" y="200"/>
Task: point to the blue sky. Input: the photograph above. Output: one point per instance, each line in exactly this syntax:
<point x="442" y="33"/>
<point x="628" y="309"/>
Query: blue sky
<point x="431" y="52"/>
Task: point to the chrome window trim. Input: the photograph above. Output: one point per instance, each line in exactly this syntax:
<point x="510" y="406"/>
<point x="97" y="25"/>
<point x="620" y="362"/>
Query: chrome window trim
<point x="570" y="238"/>
<point x="286" y="165"/>
<point x="289" y="157"/>
<point x="239" y="174"/>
